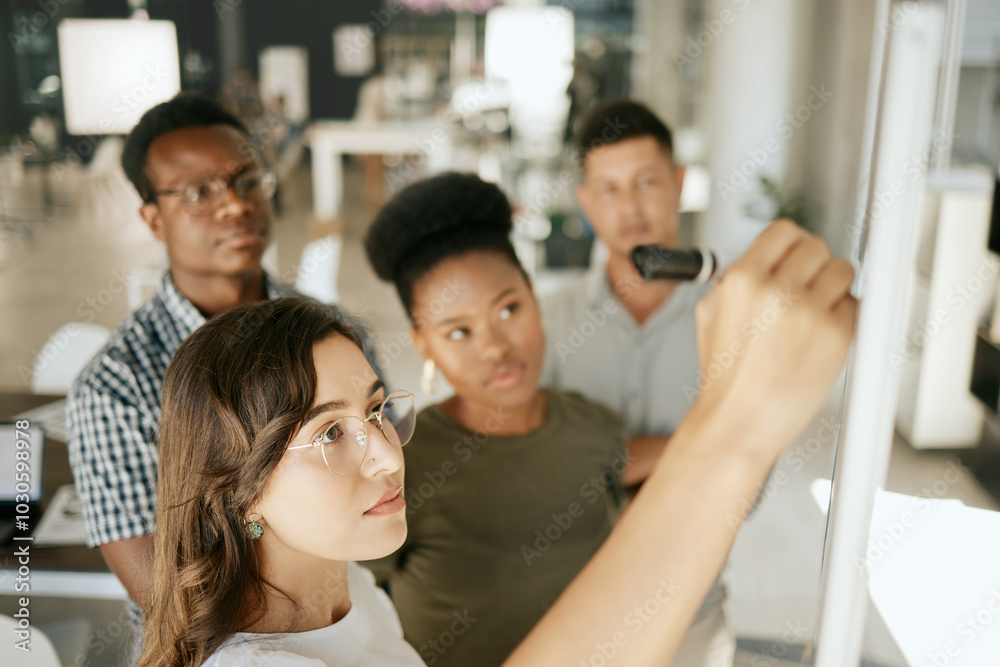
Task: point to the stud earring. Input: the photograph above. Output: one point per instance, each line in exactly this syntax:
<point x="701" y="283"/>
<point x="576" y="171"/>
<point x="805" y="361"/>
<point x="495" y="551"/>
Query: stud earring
<point x="428" y="379"/>
<point x="253" y="527"/>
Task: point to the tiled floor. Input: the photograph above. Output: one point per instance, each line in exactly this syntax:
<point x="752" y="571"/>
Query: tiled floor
<point x="65" y="270"/>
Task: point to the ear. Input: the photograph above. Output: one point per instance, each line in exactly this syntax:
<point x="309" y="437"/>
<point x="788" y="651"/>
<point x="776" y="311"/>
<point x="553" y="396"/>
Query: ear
<point x="153" y="218"/>
<point x="679" y="173"/>
<point x="419" y="342"/>
<point x="586" y="199"/>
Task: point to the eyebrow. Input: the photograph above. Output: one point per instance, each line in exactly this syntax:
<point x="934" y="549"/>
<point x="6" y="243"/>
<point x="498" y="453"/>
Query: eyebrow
<point x="239" y="171"/>
<point x="500" y="297"/>
<point x="337" y="405"/>
<point x="638" y="172"/>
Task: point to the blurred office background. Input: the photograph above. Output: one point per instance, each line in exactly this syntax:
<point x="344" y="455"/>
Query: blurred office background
<point x="768" y="101"/>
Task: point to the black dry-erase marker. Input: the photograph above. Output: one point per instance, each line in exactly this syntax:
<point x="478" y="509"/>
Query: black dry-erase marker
<point x="656" y="263"/>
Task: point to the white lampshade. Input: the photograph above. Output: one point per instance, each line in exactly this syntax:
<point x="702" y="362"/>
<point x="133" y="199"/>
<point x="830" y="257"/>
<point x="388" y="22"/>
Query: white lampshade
<point x="114" y="70"/>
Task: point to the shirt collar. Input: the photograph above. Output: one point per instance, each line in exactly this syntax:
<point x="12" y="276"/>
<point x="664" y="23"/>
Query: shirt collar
<point x="188" y="316"/>
<point x="684" y="296"/>
<point x="180" y="308"/>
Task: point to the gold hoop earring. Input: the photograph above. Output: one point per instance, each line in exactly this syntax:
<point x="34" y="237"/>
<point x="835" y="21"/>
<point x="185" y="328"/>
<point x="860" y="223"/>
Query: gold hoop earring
<point x="428" y="379"/>
<point x="253" y="527"/>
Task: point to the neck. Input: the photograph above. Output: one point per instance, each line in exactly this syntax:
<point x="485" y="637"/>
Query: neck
<point x="291" y="602"/>
<point x="640" y="298"/>
<point x="505" y="420"/>
<point x="214" y="294"/>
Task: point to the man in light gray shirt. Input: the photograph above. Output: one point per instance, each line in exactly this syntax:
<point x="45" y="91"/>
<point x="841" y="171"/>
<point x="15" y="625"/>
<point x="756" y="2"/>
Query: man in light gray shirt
<point x="624" y="342"/>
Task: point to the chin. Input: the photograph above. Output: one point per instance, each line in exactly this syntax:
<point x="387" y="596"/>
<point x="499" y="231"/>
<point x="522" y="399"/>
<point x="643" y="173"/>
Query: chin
<point x="246" y="263"/>
<point x="388" y="542"/>
<point x="520" y="395"/>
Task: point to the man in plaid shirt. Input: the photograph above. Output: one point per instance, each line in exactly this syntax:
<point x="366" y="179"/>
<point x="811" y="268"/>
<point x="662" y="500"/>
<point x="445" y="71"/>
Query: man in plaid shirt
<point x="206" y="196"/>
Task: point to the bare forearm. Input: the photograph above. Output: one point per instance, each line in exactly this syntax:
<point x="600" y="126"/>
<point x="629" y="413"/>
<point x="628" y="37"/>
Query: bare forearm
<point x="643" y="453"/>
<point x="131" y="561"/>
<point x="635" y="599"/>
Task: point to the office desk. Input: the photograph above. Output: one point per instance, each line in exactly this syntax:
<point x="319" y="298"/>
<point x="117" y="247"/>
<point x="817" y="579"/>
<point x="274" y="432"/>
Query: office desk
<point x="330" y="140"/>
<point x="73" y="571"/>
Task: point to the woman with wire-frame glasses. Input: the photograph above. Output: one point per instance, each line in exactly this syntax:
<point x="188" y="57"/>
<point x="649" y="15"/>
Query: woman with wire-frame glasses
<point x="258" y="522"/>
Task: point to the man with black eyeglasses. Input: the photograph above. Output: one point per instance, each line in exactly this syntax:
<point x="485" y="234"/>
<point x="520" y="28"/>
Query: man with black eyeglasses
<point x="206" y="195"/>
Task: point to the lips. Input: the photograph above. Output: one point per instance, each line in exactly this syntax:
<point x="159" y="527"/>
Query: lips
<point x="506" y="375"/>
<point x="242" y="238"/>
<point x="389" y="503"/>
<point x="635" y="231"/>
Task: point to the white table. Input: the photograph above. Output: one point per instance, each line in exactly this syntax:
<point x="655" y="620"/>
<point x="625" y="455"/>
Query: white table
<point x="329" y="140"/>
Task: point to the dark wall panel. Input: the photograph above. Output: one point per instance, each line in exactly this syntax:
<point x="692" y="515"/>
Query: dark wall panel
<point x="311" y="24"/>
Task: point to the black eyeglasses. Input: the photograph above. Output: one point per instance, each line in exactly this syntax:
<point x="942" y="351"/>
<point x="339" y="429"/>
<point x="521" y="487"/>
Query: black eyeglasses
<point x="207" y="195"/>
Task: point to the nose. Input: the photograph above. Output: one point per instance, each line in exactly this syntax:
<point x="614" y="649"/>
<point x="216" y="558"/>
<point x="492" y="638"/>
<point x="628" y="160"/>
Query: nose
<point x="629" y="203"/>
<point x="493" y="344"/>
<point x="233" y="205"/>
<point x="383" y="456"/>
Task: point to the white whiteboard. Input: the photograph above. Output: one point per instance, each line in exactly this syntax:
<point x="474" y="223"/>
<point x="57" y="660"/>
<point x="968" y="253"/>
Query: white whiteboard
<point x="888" y="250"/>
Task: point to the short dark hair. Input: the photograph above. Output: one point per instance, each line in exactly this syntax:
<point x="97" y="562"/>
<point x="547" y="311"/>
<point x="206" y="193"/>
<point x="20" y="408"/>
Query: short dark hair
<point x="181" y="111"/>
<point x="617" y="121"/>
<point x="431" y="220"/>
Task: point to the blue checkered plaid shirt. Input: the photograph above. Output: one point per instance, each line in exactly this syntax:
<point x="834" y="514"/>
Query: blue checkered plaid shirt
<point x="113" y="414"/>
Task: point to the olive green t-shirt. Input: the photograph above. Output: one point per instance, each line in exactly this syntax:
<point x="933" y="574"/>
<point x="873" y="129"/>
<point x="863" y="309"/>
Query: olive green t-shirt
<point x="499" y="526"/>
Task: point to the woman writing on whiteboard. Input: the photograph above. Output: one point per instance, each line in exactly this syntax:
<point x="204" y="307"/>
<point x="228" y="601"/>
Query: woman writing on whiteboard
<point x="264" y="500"/>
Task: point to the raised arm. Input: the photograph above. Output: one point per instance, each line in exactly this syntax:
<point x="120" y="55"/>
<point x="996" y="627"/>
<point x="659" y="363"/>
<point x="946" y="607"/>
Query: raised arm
<point x="635" y="599"/>
<point x="643" y="453"/>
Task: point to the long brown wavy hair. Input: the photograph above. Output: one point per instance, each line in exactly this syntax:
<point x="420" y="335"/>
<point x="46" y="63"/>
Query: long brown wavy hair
<point x="234" y="396"/>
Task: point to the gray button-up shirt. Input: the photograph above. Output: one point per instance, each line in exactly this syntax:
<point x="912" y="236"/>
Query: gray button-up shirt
<point x="647" y="373"/>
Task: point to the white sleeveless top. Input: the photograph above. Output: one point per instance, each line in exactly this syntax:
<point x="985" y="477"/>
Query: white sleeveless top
<point x="369" y="634"/>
